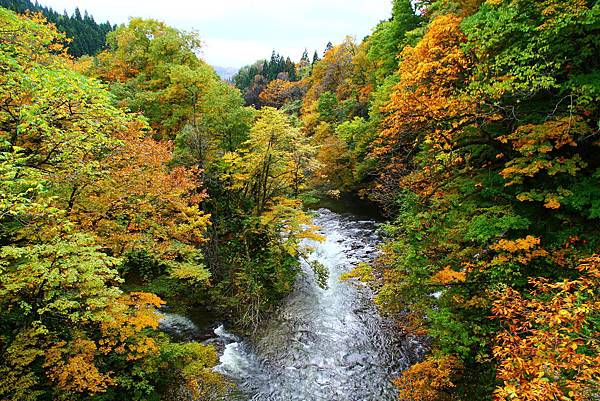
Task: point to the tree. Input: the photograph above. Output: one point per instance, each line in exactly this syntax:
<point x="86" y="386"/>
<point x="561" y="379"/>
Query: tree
<point x="68" y="330"/>
<point x="253" y="79"/>
<point x="280" y="92"/>
<point x="315" y="58"/>
<point x="484" y="164"/>
<point x="431" y="379"/>
<point x="141" y="204"/>
<point x="389" y="38"/>
<point x="86" y="36"/>
<point x="274" y="161"/>
<point x="427" y="100"/>
<point x="154" y="69"/>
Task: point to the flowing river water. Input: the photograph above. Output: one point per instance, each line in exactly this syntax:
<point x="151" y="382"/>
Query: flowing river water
<point x="321" y="344"/>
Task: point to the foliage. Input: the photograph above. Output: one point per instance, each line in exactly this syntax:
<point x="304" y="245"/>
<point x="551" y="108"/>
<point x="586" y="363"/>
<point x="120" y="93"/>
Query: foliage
<point x="87" y="37"/>
<point x="548" y="347"/>
<point x="489" y="141"/>
<point x="261" y="217"/>
<point x="191" y="363"/>
<point x="278" y="93"/>
<point x="153" y="69"/>
<point x="428" y="380"/>
<point x="254" y="79"/>
<point x="473" y="123"/>
<point x="77" y="179"/>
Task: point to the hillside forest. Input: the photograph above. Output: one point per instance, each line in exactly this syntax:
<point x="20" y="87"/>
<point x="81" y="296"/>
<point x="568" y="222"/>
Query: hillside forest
<point x="133" y="178"/>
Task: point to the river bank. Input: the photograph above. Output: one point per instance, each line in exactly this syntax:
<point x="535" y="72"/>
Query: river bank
<point x="321" y="343"/>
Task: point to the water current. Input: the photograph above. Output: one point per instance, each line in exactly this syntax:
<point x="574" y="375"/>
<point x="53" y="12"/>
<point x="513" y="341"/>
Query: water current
<point x="322" y="344"/>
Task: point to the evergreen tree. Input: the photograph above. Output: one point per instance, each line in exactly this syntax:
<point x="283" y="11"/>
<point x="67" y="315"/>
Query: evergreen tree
<point x="316" y="58"/>
<point x="304" y="58"/>
<point x="88" y="37"/>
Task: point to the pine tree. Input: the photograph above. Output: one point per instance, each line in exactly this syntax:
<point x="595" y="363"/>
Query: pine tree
<point x="316" y="58"/>
<point x="305" y="58"/>
<point x="87" y="36"/>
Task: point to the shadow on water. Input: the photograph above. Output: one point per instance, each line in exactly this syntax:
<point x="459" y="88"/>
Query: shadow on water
<point x="350" y="204"/>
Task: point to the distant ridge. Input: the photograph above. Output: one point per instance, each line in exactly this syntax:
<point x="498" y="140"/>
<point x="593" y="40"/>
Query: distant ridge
<point x="226" y="73"/>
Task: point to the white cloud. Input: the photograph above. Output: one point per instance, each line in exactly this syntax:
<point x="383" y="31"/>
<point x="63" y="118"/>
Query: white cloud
<point x="237" y="32"/>
<point x="238" y="52"/>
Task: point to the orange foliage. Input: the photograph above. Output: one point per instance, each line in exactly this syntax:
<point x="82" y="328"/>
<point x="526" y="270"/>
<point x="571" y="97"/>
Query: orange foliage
<point x="428" y="380"/>
<point x="537" y="146"/>
<point x="448" y="275"/>
<point x="430" y="74"/>
<point x="426" y="106"/>
<point x="334" y="170"/>
<point x="279" y="92"/>
<point x="333" y="73"/>
<point x="76" y="366"/>
<point x="141" y="202"/>
<point x="73" y="369"/>
<point x="113" y="69"/>
<point x="523" y="250"/>
<point x="533" y="141"/>
<point x="47" y="45"/>
<point x="549" y="348"/>
<point x="130" y="315"/>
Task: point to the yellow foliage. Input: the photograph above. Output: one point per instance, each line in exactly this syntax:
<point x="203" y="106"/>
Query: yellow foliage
<point x="426" y="107"/>
<point x="363" y="272"/>
<point x="521" y="250"/>
<point x="129" y="316"/>
<point x="523" y="244"/>
<point x="16" y="377"/>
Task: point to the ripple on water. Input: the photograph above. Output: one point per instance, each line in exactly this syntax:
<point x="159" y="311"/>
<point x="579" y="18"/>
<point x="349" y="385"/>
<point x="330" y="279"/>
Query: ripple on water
<point x="323" y="344"/>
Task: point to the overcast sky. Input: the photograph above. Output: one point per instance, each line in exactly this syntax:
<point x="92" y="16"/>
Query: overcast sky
<point x="238" y="32"/>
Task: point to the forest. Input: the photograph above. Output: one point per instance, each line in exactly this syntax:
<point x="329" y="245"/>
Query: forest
<point x="86" y="36"/>
<point x="133" y="179"/>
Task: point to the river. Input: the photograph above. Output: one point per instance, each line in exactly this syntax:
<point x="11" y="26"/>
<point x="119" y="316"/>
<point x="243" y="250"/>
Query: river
<point x="323" y="344"/>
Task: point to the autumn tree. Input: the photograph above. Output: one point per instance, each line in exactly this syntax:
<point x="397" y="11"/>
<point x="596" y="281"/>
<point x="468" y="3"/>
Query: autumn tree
<point x="69" y="330"/>
<point x="485" y="152"/>
<point x="280" y="92"/>
<point x="153" y="68"/>
<point x="273" y="162"/>
<point x="143" y="205"/>
<point x="259" y="189"/>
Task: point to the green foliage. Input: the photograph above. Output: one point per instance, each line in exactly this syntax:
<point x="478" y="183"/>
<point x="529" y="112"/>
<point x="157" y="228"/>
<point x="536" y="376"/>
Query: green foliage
<point x="88" y="37"/>
<point x="186" y="369"/>
<point x="494" y="222"/>
<point x="474" y="123"/>
<point x="321" y="273"/>
<point x="389" y="37"/>
<point x="143" y="264"/>
<point x="154" y="68"/>
<point x="257" y="224"/>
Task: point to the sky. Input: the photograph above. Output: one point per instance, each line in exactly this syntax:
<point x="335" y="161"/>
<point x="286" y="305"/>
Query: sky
<point x="238" y="32"/>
